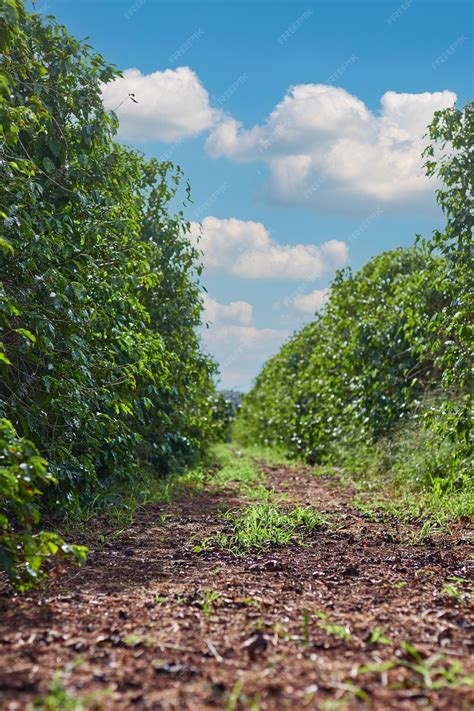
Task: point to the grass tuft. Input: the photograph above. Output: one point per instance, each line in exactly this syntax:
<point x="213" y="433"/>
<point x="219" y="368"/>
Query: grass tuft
<point x="264" y="524"/>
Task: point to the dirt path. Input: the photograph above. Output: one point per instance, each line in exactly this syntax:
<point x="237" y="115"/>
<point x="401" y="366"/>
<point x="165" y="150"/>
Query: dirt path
<point x="159" y="626"/>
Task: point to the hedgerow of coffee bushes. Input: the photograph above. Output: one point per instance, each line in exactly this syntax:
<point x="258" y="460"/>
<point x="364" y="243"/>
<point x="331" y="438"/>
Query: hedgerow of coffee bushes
<point x="390" y="335"/>
<point x="100" y="363"/>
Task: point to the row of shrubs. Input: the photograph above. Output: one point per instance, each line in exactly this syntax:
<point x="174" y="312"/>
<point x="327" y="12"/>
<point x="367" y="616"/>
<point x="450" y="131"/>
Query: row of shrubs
<point x="101" y="369"/>
<point x="392" y="349"/>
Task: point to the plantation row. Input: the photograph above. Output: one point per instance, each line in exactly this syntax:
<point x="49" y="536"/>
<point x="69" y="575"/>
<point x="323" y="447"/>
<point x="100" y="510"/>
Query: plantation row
<point x="101" y="367"/>
<point x="383" y="376"/>
<point x="103" y="383"/>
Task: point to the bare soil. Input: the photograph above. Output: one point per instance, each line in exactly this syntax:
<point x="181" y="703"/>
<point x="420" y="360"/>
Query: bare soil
<point x="130" y="628"/>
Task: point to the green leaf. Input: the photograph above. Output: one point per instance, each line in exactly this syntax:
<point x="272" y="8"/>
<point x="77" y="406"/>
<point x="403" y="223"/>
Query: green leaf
<point x="27" y="334"/>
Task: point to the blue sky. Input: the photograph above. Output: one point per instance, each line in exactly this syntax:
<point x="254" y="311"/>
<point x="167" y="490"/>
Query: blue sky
<point x="274" y="111"/>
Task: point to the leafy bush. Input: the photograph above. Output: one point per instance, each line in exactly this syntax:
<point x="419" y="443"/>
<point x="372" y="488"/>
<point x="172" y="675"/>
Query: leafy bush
<point x="101" y="364"/>
<point x="101" y="368"/>
<point x="351" y="374"/>
<point x="391" y="337"/>
<point x="24" y="552"/>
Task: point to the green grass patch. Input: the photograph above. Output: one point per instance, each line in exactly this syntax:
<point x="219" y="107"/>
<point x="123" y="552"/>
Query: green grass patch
<point x="426" y="673"/>
<point x="331" y="628"/>
<point x="119" y="504"/>
<point x="434" y="511"/>
<point x="233" y="468"/>
<point x="264" y="524"/>
<point x="268" y="455"/>
<point x="423" y="474"/>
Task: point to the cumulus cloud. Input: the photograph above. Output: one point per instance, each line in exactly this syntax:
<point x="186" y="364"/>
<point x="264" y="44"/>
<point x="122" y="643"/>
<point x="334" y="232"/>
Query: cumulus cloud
<point x="239" y="349"/>
<point x="245" y="249"/>
<point x="238" y="311"/>
<point x="237" y="344"/>
<point x="168" y="106"/>
<point x="325" y="149"/>
<point x="309" y="303"/>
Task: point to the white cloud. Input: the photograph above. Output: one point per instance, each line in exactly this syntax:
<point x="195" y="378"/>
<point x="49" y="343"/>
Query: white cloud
<point x="240" y="350"/>
<point x="238" y="311"/>
<point x="327" y="150"/>
<point x="309" y="303"/>
<point x="172" y="105"/>
<point x="245" y="249"/>
<point x="236" y="344"/>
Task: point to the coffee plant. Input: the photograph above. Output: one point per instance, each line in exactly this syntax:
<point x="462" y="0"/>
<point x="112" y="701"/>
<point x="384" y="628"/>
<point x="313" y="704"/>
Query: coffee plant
<point x="100" y="362"/>
<point x="24" y="551"/>
<point x="394" y="343"/>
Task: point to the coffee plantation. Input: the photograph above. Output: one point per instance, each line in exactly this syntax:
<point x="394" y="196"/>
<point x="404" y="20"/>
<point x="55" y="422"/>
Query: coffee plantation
<point x="104" y="383"/>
